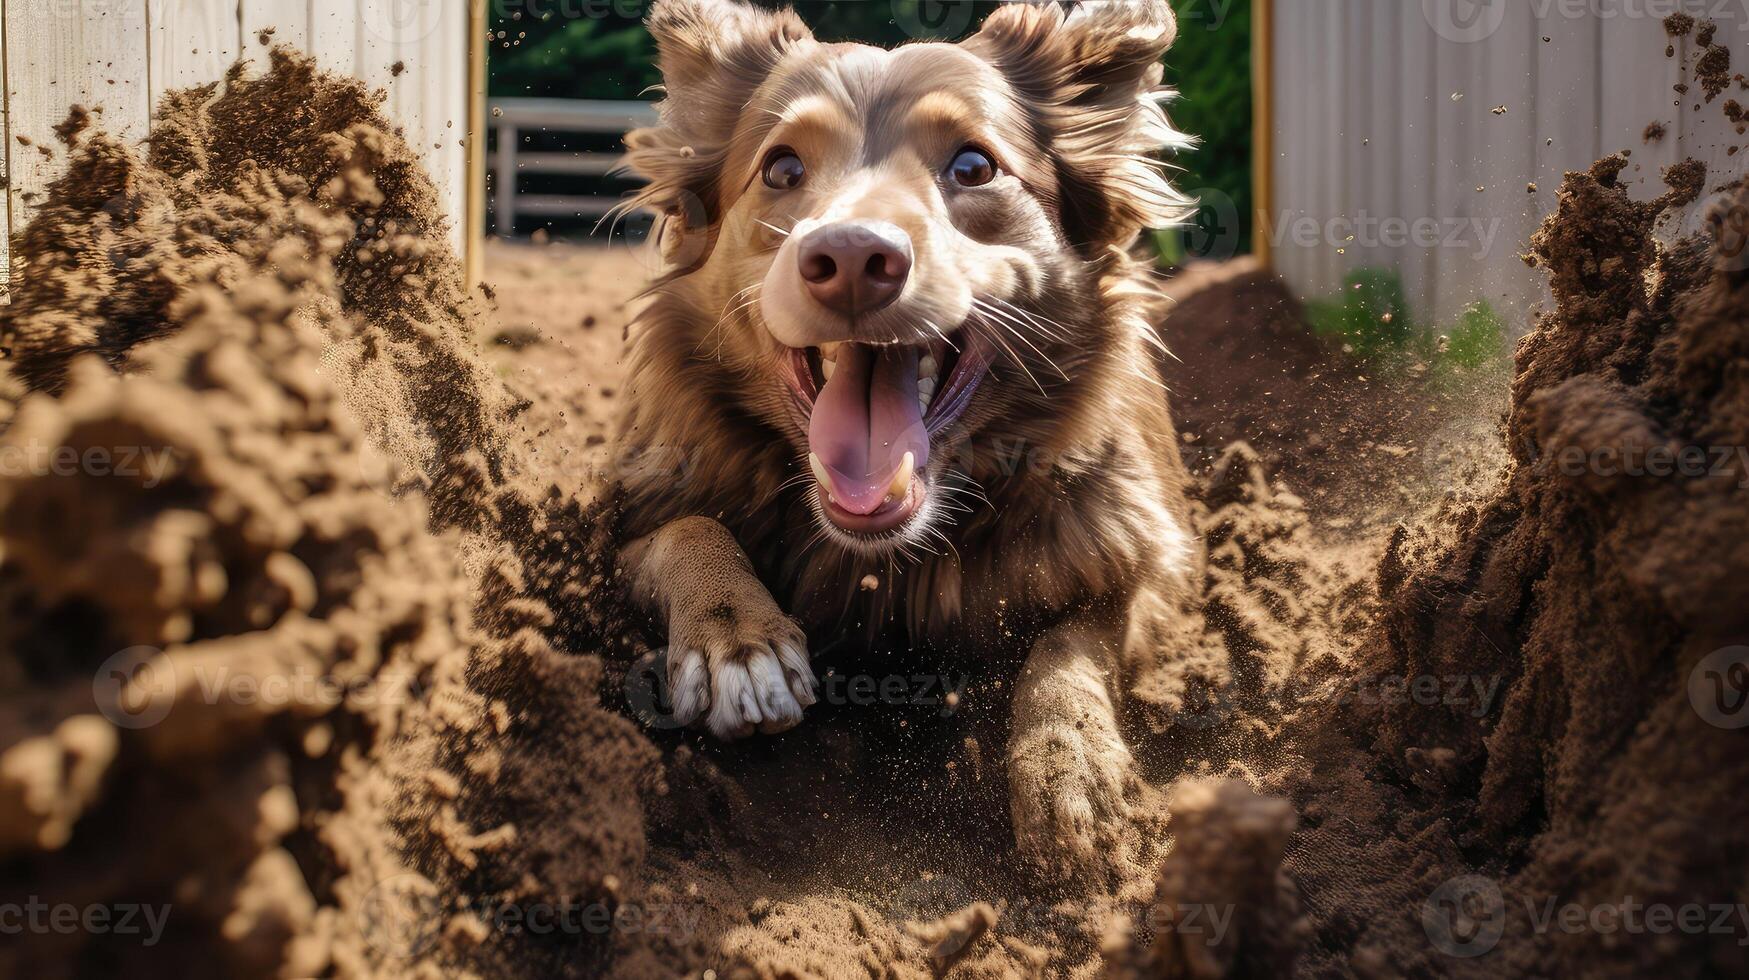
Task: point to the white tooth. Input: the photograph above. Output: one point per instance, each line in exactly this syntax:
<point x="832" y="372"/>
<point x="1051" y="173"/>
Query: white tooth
<point x="826" y="368"/>
<point x="925" y="393"/>
<point x="926" y="367"/>
<point x="901" y="484"/>
<point x="820" y="474"/>
<point x="829" y="352"/>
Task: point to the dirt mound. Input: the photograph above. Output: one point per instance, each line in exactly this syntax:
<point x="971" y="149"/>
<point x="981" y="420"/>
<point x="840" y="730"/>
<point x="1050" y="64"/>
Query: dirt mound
<point x="303" y="643"/>
<point x="1561" y="751"/>
<point x="261" y="487"/>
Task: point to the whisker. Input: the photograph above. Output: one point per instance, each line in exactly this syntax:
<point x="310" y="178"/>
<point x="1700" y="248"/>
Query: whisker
<point x="724" y="318"/>
<point x="938" y="332"/>
<point x="780" y="231"/>
<point x="995" y="335"/>
<point x="1017" y="335"/>
<point x="1046" y="326"/>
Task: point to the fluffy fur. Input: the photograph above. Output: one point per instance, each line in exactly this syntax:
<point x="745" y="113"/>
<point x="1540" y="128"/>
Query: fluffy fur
<point x="1055" y="505"/>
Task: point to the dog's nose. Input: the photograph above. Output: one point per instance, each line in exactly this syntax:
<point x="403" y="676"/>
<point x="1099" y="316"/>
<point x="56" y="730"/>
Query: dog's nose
<point x="855" y="266"/>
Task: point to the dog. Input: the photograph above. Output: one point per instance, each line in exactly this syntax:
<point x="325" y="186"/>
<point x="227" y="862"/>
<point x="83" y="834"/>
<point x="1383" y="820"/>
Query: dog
<point x="901" y="334"/>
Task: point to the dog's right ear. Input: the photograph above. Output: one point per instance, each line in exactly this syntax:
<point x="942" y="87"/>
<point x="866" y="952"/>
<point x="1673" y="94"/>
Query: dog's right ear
<point x="713" y="54"/>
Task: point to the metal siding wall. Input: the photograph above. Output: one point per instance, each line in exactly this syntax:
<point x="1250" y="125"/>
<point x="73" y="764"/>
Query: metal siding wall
<point x="1366" y="130"/>
<point x="122" y="55"/>
<point x="61" y="53"/>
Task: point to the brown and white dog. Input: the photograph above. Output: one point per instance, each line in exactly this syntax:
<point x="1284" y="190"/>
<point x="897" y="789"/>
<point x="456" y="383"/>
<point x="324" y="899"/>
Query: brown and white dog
<point x="890" y="270"/>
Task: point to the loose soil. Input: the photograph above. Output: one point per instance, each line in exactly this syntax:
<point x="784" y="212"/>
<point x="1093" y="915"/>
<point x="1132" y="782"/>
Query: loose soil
<point x="335" y="667"/>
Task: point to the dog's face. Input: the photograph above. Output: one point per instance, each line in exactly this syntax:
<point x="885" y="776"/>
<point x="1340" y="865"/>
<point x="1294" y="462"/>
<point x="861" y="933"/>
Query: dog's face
<point x="894" y="244"/>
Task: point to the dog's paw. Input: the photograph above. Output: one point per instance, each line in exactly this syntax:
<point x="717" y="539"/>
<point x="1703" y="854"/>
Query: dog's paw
<point x="1071" y="788"/>
<point x="738" y="665"/>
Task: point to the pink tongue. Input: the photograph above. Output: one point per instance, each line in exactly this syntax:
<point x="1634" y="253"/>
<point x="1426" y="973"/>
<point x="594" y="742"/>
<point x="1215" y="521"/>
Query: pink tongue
<point x="865" y="421"/>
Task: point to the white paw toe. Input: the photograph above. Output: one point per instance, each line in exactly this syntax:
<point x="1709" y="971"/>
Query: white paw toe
<point x="689" y="686"/>
<point x="734" y="705"/>
<point x="802" y="683"/>
<point x="777" y="706"/>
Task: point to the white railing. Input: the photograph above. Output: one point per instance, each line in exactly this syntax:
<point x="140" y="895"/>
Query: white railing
<point x="512" y="117"/>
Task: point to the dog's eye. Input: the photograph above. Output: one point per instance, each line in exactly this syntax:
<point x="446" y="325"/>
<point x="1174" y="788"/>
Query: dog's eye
<point x="972" y="167"/>
<point x="783" y="169"/>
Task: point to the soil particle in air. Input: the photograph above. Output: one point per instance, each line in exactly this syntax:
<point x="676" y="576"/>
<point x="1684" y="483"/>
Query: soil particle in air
<point x="342" y="484"/>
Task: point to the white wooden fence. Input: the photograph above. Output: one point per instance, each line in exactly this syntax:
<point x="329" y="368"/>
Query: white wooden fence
<point x="122" y="55"/>
<point x="514" y="117"/>
<point x="1406" y="133"/>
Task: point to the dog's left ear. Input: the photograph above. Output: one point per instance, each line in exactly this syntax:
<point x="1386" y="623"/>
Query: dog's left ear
<point x="1091" y="77"/>
<point x="714" y="54"/>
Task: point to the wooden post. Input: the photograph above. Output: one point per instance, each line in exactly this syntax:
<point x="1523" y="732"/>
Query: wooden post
<point x="1262" y="127"/>
<point x="474" y="197"/>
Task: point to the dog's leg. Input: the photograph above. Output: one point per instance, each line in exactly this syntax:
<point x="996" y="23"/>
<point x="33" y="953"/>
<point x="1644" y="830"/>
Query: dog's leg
<point x="734" y="658"/>
<point x="1070" y="775"/>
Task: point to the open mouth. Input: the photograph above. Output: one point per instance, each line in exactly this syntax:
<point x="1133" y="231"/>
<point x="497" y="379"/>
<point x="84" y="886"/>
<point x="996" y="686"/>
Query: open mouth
<point x="871" y="412"/>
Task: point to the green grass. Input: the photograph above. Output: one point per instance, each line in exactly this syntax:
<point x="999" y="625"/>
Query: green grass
<point x="1371" y="319"/>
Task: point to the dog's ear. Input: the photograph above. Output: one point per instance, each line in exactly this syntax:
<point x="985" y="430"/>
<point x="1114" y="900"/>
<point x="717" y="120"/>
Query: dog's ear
<point x="1091" y="78"/>
<point x="713" y="54"/>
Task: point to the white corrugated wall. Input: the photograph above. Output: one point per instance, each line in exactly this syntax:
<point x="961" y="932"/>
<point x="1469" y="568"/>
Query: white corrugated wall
<point x="123" y="54"/>
<point x="1384" y="124"/>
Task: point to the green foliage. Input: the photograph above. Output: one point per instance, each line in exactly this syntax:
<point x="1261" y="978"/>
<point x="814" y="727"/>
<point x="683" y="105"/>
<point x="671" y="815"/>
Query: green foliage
<point x="1371" y="316"/>
<point x="599" y="49"/>
<point x="1478" y="338"/>
<point x="1210" y="66"/>
<point x="603" y="58"/>
<point x="1372" y="319"/>
<point x="602" y="51"/>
